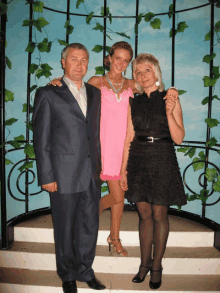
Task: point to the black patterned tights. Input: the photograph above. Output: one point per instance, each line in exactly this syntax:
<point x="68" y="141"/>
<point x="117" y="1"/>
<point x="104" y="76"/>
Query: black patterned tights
<point x="153" y="231"/>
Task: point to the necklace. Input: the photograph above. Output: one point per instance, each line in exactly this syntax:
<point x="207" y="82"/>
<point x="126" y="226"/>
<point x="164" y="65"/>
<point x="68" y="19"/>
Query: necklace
<point x="114" y="89"/>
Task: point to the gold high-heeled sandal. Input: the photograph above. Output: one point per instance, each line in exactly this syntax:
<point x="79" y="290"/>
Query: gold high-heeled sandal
<point x="110" y="241"/>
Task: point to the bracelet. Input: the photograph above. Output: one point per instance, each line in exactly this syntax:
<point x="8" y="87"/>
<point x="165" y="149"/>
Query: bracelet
<point x="174" y="88"/>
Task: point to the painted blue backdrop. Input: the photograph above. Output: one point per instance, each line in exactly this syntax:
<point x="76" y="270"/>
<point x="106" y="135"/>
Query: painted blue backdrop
<point x="189" y="69"/>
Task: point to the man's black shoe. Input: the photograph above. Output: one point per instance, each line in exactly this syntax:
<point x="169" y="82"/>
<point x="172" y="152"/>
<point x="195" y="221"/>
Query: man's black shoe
<point x="95" y="284"/>
<point x="69" y="287"/>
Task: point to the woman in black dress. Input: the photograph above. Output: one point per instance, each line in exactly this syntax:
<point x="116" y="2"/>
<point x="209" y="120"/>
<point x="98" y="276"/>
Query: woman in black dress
<point x="150" y="172"/>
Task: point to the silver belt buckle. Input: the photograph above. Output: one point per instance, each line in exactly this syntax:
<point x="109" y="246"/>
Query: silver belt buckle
<point x="152" y="138"/>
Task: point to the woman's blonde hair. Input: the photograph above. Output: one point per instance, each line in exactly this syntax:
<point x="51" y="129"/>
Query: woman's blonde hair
<point x="148" y="58"/>
<point x="118" y="45"/>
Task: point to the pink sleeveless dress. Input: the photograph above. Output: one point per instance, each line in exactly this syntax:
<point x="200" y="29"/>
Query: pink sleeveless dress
<point x="113" y="127"/>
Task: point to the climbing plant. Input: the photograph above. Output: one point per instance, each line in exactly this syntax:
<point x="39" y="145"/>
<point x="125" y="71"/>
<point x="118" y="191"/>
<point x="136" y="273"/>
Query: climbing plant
<point x="43" y="44"/>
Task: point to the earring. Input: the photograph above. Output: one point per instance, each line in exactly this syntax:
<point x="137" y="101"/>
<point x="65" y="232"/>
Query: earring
<point x="157" y="83"/>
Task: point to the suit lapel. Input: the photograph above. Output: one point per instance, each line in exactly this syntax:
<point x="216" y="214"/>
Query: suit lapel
<point x="68" y="96"/>
<point x="89" y="101"/>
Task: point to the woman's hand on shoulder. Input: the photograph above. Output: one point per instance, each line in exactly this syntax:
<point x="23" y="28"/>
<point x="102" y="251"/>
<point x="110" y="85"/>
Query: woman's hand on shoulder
<point x="95" y="81"/>
<point x="55" y="82"/>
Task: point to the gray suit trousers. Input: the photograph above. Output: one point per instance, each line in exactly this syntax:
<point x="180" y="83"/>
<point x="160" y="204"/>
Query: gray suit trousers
<point x="76" y="218"/>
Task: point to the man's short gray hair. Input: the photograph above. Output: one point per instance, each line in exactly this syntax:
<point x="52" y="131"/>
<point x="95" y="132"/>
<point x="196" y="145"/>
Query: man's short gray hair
<point x="77" y="46"/>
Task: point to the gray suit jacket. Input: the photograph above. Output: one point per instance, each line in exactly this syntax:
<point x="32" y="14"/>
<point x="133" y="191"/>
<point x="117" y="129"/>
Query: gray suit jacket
<point x="66" y="143"/>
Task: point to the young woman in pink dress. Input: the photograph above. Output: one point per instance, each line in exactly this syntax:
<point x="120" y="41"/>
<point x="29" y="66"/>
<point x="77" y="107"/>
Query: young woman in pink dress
<point x="115" y="93"/>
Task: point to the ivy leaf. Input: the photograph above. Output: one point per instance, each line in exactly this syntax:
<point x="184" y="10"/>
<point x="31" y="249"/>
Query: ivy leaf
<point x="211" y="174"/>
<point x="181" y="27"/>
<point x="9" y="96"/>
<point x="208" y="36"/>
<point x="215" y="97"/>
<point x="191" y="152"/>
<point x="208" y="81"/>
<point x="181" y="92"/>
<point x="33" y="88"/>
<point x="30" y="47"/>
<point x="202" y="155"/>
<point x="156" y="23"/>
<point x="104" y="188"/>
<point x="123" y="35"/>
<point x="15" y="144"/>
<point x="28" y="22"/>
<point x="97" y="48"/>
<point x="78" y="3"/>
<point x="139" y="18"/>
<point x="62" y="43"/>
<point x="192" y="197"/>
<point x="8" y="62"/>
<point x="46" y="66"/>
<point x="215" y="71"/>
<point x="205" y="100"/>
<point x="26" y="166"/>
<point x="3" y="8"/>
<point x="203" y="195"/>
<point x="33" y="67"/>
<point x="182" y="150"/>
<point x="44" y="46"/>
<point x="211" y="122"/>
<point x="170" y="11"/>
<point x="171" y="32"/>
<point x="99" y="70"/>
<point x="197" y="165"/>
<point x="110" y="18"/>
<point x="38" y="6"/>
<point x="40" y="22"/>
<point x="102" y="11"/>
<point x="216" y="185"/>
<point x="148" y="16"/>
<point x="29" y="126"/>
<point x="108" y="49"/>
<point x="208" y="58"/>
<point x="10" y="121"/>
<point x="99" y="27"/>
<point x="89" y="17"/>
<point x="25" y="108"/>
<point x="69" y="29"/>
<point x="20" y="137"/>
<point x="41" y="72"/>
<point x="217" y="25"/>
<point x="8" y="162"/>
<point x="29" y="151"/>
<point x="212" y="142"/>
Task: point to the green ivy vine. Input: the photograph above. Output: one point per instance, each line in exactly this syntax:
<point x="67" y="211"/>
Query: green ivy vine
<point x="44" y="69"/>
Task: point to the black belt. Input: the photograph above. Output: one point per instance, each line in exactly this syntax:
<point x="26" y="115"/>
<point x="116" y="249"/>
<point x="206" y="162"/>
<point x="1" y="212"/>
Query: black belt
<point x="152" y="139"/>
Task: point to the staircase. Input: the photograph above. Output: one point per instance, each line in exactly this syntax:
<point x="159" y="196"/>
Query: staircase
<point x="191" y="263"/>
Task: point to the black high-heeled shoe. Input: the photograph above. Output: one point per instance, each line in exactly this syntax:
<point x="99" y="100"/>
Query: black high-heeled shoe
<point x="137" y="278"/>
<point x="156" y="285"/>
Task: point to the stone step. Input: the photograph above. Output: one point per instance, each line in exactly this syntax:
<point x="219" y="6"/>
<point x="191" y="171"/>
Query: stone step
<point x="177" y="260"/>
<point x="183" y="232"/>
<point x="29" y="281"/>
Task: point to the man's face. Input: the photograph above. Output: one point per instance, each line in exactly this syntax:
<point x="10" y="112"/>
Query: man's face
<point x="76" y="64"/>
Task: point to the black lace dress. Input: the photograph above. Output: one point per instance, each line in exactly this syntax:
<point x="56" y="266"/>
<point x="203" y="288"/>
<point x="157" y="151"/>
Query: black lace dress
<point x="153" y="171"/>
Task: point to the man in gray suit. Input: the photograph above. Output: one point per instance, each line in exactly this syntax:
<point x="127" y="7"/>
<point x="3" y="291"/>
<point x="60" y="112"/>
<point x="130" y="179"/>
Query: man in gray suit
<point x="67" y="146"/>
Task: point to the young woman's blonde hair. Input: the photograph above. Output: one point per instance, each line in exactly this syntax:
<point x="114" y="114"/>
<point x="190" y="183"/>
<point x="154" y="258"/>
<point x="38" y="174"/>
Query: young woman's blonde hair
<point x="148" y="58"/>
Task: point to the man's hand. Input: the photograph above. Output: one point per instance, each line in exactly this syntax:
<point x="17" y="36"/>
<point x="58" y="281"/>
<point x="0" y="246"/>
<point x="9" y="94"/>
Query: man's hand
<point x="50" y="187"/>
